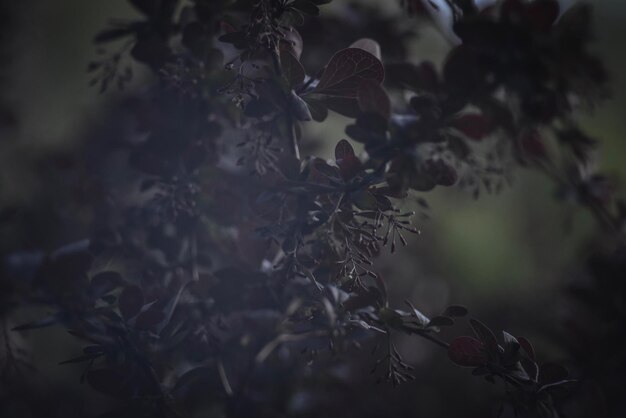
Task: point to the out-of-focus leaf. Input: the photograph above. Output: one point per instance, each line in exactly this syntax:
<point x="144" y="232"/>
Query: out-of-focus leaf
<point x="472" y="125"/>
<point x="467" y="352"/>
<point x="306" y="6"/>
<point x="455" y="310"/>
<point x="418" y="78"/>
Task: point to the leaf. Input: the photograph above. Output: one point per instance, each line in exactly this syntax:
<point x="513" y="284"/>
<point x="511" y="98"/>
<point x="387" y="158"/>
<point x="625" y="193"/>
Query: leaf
<point x="474" y="126"/>
<point x="343" y="150"/>
<point x="306" y="6"/>
<point x="551" y="373"/>
<point x="364" y="200"/>
<point x="527" y="347"/>
<point x="319" y="111"/>
<point x="292" y="69"/>
<point x="346" y="70"/>
<point x="130" y="301"/>
<point x="487" y="337"/>
<point x="511" y="349"/>
<point x="509" y="340"/>
<point x="372" y="98"/>
<point x="467" y="352"/>
<point x="440" y="321"/>
<point x="368" y="45"/>
<point x="299" y="107"/>
<point x="455" y="310"/>
<point x="421" y="318"/>
<point x="292" y="41"/>
<point x="348" y="163"/>
<point x="320" y="166"/>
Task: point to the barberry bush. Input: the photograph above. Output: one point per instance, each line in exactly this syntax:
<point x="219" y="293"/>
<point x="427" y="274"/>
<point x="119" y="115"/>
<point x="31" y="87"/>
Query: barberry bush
<point x="234" y="274"/>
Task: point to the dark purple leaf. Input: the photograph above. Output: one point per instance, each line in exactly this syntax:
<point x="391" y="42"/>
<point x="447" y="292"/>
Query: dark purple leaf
<point x="348" y="163"/>
<point x="487" y="337"/>
<point x="306" y="6"/>
<point x="372" y="98"/>
<point x="346" y="70"/>
<point x="474" y="126"/>
<point x="467" y="352"/>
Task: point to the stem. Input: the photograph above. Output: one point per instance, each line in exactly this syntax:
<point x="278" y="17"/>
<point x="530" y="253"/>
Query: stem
<point x="293" y="141"/>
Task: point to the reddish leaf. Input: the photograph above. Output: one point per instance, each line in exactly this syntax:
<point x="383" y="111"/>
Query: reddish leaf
<point x="372" y="98"/>
<point x="346" y="70"/>
<point x="343" y="150"/>
<point x="349" y="164"/>
<point x="455" y="310"/>
<point x="467" y="352"/>
<point x="473" y="125"/>
<point x="486" y="336"/>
